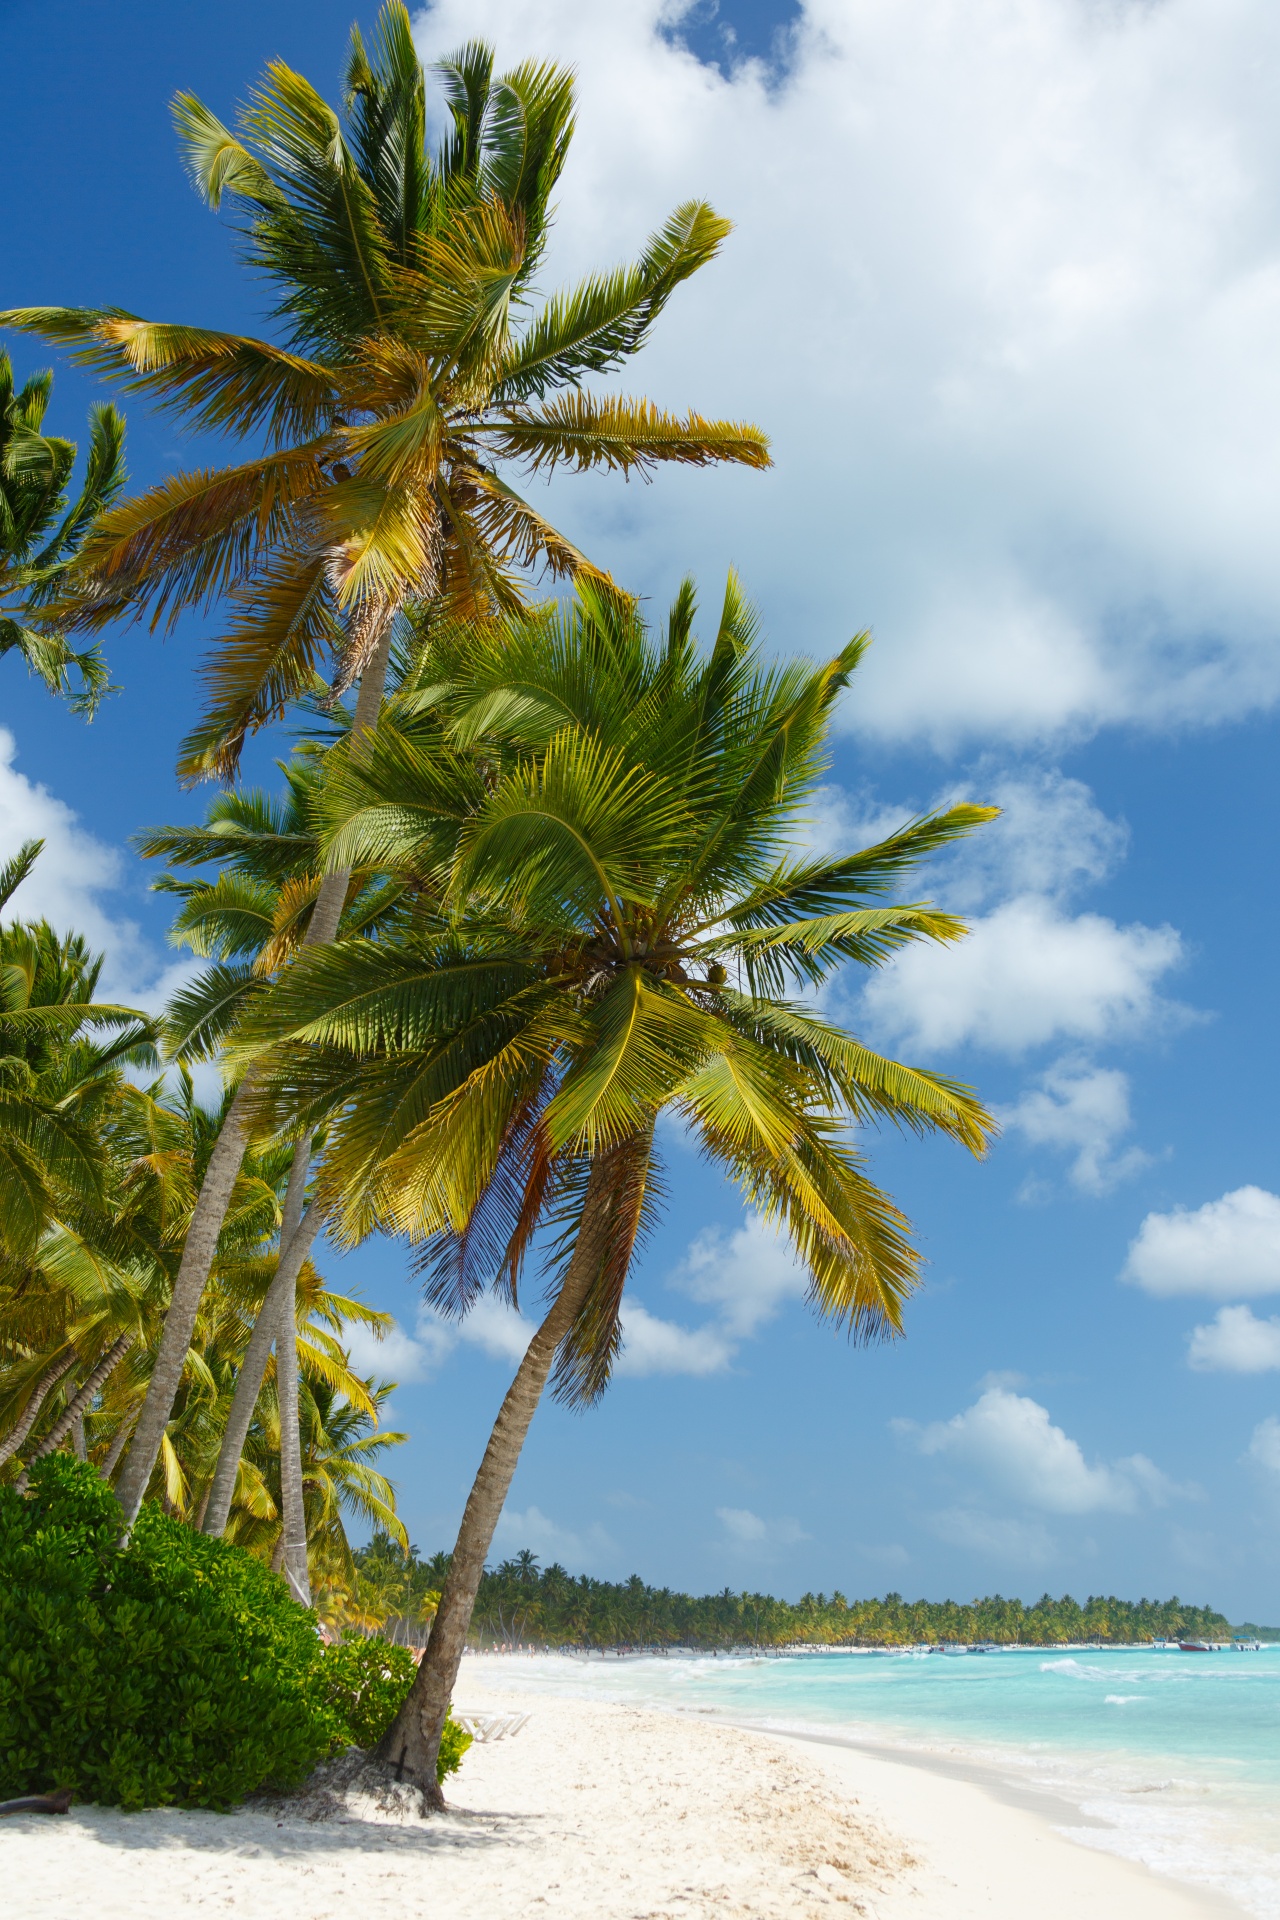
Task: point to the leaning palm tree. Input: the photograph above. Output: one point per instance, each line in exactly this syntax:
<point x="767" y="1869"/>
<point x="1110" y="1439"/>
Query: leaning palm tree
<point x="412" y="370"/>
<point x="630" y="921"/>
<point x="42" y="530"/>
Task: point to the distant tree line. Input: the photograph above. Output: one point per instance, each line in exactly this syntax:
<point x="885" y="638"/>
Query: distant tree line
<point x="522" y="1603"/>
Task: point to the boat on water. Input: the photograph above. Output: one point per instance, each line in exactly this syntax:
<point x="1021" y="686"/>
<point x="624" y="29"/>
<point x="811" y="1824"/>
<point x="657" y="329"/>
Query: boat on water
<point x="1196" y="1646"/>
<point x="1246" y="1646"/>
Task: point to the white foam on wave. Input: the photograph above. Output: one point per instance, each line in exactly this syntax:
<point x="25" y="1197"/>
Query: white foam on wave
<point x="1196" y="1845"/>
<point x="1122" y="1699"/>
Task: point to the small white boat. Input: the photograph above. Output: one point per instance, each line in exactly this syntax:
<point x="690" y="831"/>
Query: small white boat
<point x="1246" y="1646"/>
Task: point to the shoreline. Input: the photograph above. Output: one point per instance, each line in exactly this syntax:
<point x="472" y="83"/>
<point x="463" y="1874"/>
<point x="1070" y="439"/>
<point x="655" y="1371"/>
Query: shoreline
<point x="1063" y="1821"/>
<point x="1177" y="1831"/>
<point x="602" y="1811"/>
<point x="983" y="1878"/>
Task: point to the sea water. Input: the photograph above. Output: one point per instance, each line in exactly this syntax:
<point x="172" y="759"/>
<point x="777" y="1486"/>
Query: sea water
<point x="1174" y="1758"/>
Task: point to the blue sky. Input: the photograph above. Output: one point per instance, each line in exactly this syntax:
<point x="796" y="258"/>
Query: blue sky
<point x="1007" y="302"/>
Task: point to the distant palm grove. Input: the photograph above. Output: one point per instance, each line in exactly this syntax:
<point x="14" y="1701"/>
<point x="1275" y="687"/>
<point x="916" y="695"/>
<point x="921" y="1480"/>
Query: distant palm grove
<point x="522" y="1604"/>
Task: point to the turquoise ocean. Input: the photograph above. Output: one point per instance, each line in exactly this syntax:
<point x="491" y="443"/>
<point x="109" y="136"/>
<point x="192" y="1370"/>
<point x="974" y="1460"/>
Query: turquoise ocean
<point x="1172" y="1758"/>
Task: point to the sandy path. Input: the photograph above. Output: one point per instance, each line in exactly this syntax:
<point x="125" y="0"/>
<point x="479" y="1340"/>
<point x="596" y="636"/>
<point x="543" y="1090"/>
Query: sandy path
<point x="602" y="1811"/>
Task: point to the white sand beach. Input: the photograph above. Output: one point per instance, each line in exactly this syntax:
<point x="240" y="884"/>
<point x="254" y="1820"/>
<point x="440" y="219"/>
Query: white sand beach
<point x="610" y="1812"/>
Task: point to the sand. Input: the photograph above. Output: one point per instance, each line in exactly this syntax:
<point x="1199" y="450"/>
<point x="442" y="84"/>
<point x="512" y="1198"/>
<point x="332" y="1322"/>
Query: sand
<point x="604" y="1811"/>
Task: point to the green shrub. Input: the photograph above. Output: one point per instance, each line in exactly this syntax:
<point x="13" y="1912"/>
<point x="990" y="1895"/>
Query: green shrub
<point x="364" y="1684"/>
<point x="454" y="1742"/>
<point x="175" y="1671"/>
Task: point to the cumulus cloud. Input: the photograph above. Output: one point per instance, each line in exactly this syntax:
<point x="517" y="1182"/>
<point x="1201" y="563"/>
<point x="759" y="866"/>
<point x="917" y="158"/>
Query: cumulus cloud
<point x="1226" y="1247"/>
<point x="1028" y="974"/>
<point x="1236" y="1341"/>
<point x="398" y="1355"/>
<point x="550" y="1541"/>
<point x="1051" y="838"/>
<point x="1264" y="1447"/>
<point x="651" y="1345"/>
<point x="747" y="1275"/>
<point x="497" y="1328"/>
<point x="1010" y="1441"/>
<point x="1022" y="260"/>
<point x="68" y="883"/>
<point x="746" y="1529"/>
<point x="493" y="1326"/>
<point x="1082" y="1110"/>
<point x="1031" y="971"/>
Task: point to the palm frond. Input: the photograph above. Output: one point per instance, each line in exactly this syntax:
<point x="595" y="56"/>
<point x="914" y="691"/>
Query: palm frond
<point x="583" y="431"/>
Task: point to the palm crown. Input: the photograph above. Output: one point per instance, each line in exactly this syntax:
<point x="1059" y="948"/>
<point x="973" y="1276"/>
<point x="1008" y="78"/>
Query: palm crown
<point x="602" y="828"/>
<point x="42" y="529"/>
<point x="413" y="368"/>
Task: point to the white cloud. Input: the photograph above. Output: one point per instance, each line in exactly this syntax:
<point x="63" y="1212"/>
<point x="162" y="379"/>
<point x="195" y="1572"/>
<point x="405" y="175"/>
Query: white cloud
<point x="496" y="1328"/>
<point x="1236" y="1341"/>
<point x="1083" y="1110"/>
<point x="1228" y="1246"/>
<point x="1264" y="1447"/>
<point x="400" y="1356"/>
<point x="748" y="1275"/>
<point x="1050" y="839"/>
<point x="548" y="1539"/>
<point x="746" y="1529"/>
<point x="1009" y="1440"/>
<point x="493" y="1326"/>
<point x="1027" y="974"/>
<point x="1004" y="288"/>
<point x="742" y="1525"/>
<point x="651" y="1345"/>
<point x="67" y="883"/>
<point x="1030" y="971"/>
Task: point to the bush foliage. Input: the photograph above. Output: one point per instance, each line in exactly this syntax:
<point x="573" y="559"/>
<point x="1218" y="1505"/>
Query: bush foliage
<point x="365" y="1683"/>
<point x="174" y="1671"/>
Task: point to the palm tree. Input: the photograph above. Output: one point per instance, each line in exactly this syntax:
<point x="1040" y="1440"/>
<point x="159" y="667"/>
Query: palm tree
<point x="630" y="916"/>
<point x="90" y="1305"/>
<point x="411" y="372"/>
<point x="245" y="923"/>
<point x="61" y="1055"/>
<point x="90" y="1301"/>
<point x="42" y="531"/>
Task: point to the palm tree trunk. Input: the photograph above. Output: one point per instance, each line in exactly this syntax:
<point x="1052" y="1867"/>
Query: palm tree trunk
<point x="74" y="1409"/>
<point x="118" y="1445"/>
<point x="201" y="1244"/>
<point x="292" y="1511"/>
<point x="296" y="1244"/>
<point x="412" y="1743"/>
<point x="199" y="1249"/>
<point x="31" y="1412"/>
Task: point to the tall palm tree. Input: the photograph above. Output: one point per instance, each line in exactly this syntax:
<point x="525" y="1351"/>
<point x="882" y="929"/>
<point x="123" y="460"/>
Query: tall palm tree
<point x="245" y="923"/>
<point x="412" y="370"/>
<point x="42" y="530"/>
<point x="630" y="919"/>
